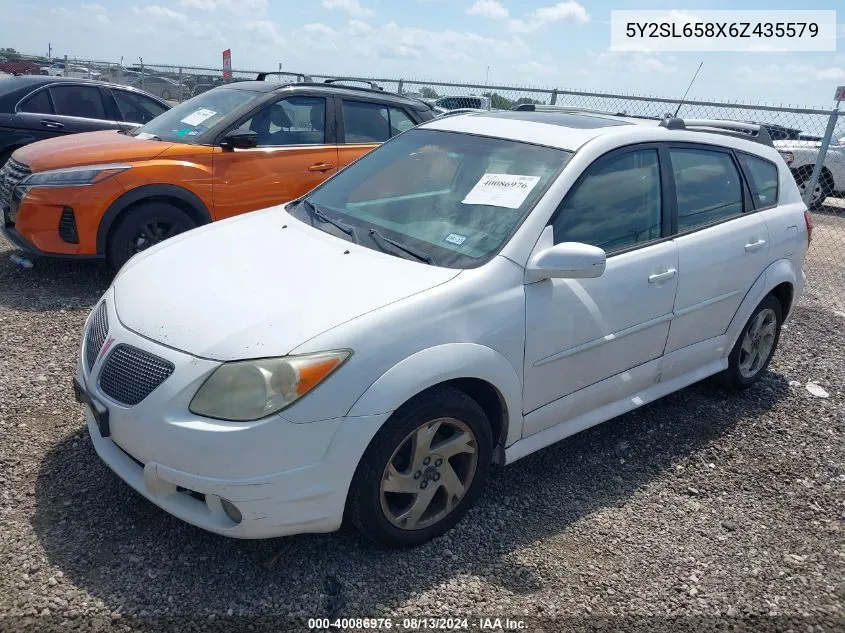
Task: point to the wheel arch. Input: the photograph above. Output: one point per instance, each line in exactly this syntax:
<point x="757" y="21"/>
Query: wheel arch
<point x="482" y="373"/>
<point x="179" y="197"/>
<point x="779" y="279"/>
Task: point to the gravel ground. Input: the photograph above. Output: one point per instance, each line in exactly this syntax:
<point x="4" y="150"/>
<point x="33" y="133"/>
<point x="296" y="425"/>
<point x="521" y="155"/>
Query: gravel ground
<point x="704" y="511"/>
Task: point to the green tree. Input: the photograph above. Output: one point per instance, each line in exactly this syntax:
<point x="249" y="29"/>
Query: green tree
<point x="429" y="93"/>
<point x="498" y="102"/>
<point x="522" y="100"/>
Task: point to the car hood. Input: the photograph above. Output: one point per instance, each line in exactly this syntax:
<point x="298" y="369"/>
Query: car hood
<point x="258" y="285"/>
<point x="88" y="148"/>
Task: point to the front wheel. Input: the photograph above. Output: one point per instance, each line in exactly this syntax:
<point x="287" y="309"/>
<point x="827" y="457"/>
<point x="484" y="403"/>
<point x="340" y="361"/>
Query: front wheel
<point x="756" y="345"/>
<point x="165" y="94"/>
<point x="423" y="470"/>
<point x="143" y="226"/>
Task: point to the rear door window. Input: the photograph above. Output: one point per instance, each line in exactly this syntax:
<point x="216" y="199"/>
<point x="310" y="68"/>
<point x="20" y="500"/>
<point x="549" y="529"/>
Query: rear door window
<point x="136" y="108"/>
<point x="78" y="101"/>
<point x="365" y="122"/>
<point x="762" y="176"/>
<point x="38" y="102"/>
<point x="708" y="187"/>
<point x="400" y="121"/>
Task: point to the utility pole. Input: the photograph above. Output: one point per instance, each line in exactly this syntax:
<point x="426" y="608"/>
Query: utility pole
<point x="49" y="50"/>
<point x="487" y="80"/>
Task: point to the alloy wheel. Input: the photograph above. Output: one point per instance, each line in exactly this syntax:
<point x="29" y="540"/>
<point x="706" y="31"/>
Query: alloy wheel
<point x="758" y="343"/>
<point x="153" y="232"/>
<point x="428" y="474"/>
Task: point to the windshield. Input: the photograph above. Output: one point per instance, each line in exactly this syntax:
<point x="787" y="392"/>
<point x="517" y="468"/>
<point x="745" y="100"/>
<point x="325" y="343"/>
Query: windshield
<point x="197" y="115"/>
<point x="453" y="198"/>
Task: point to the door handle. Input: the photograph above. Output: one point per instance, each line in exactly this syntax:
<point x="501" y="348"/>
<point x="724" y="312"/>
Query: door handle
<point x="755" y="246"/>
<point x="657" y="278"/>
<point x="53" y="125"/>
<point x="321" y="167"/>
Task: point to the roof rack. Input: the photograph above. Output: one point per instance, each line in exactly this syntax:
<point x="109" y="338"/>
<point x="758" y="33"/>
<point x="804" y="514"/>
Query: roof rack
<point x="373" y="85"/>
<point x="750" y="131"/>
<point x="540" y="107"/>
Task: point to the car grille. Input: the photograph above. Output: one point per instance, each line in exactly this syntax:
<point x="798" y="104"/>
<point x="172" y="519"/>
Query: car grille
<point x="12" y="173"/>
<point x="131" y="374"/>
<point x="96" y="335"/>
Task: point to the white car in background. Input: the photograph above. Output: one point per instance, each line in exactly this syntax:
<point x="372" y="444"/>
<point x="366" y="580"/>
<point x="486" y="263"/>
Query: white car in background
<point x="802" y="156"/>
<point x="59" y="69"/>
<point x="475" y="289"/>
<point x="468" y="102"/>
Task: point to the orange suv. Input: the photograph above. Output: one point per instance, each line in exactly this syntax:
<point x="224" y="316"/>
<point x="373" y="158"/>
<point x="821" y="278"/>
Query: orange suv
<point x="236" y="148"/>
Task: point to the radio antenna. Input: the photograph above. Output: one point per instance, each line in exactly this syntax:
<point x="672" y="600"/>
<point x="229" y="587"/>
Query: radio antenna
<point x="688" y="87"/>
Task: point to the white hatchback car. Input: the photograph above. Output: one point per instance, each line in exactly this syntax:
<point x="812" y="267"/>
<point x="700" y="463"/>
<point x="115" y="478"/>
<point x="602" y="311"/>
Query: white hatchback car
<point x="474" y="290"/>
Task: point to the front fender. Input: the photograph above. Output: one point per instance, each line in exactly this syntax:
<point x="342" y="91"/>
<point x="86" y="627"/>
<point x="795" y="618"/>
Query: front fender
<point x="438" y="364"/>
<point x="777" y="273"/>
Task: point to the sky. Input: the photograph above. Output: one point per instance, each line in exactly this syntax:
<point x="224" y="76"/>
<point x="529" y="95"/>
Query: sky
<point x="537" y="43"/>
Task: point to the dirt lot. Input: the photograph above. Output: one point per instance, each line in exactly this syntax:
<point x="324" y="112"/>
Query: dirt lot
<point x="704" y="511"/>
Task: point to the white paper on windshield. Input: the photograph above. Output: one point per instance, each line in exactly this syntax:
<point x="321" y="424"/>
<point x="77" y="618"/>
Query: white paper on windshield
<point x="501" y="190"/>
<point x="198" y="116"/>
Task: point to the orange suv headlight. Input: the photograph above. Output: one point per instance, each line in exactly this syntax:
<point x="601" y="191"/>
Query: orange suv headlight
<point x="72" y="177"/>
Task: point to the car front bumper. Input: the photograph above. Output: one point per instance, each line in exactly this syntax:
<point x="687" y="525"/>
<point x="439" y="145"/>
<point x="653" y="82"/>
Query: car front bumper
<point x="283" y="477"/>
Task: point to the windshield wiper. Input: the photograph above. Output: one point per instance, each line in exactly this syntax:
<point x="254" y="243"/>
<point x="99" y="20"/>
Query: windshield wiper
<point x="317" y="213"/>
<point x="420" y="255"/>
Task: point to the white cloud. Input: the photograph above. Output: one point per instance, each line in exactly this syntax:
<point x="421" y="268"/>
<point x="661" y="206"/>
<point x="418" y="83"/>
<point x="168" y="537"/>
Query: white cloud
<point x="536" y="68"/>
<point x="97" y="11"/>
<point x="489" y="9"/>
<point x="352" y="7"/>
<point x="563" y="11"/>
<point x="162" y="14"/>
<point x="322" y="30"/>
<point x="264" y="31"/>
<point x="202" y="5"/>
<point x="644" y="63"/>
<point x="790" y="74"/>
<point x="570" y="11"/>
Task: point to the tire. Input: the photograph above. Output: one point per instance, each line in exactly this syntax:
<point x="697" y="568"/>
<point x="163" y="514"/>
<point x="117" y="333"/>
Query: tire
<point x="741" y="374"/>
<point x="165" y="94"/>
<point x="823" y="189"/>
<point x="142" y="226"/>
<point x="378" y="513"/>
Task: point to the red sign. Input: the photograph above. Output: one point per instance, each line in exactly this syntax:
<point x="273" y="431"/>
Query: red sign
<point x="227" y="63"/>
<point x="840" y="94"/>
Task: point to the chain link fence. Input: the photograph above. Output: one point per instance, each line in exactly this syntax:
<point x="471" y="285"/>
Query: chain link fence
<point x="798" y="132"/>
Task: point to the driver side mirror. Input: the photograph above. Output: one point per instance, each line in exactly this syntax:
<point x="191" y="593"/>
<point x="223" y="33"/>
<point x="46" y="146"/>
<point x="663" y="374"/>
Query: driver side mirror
<point x="239" y="139"/>
<point x="567" y="260"/>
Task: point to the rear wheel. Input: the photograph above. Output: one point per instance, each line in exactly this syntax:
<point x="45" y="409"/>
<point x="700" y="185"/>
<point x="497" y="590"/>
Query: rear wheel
<point x="165" y="94"/>
<point x="756" y="345"/>
<point x="423" y="470"/>
<point x="143" y="226"/>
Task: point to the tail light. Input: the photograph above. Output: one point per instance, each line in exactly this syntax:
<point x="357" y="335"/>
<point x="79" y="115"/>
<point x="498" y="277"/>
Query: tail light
<point x="808" y="220"/>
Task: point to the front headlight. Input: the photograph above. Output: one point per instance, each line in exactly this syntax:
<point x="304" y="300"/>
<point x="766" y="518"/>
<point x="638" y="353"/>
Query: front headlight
<point x="73" y="177"/>
<point x="251" y="389"/>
